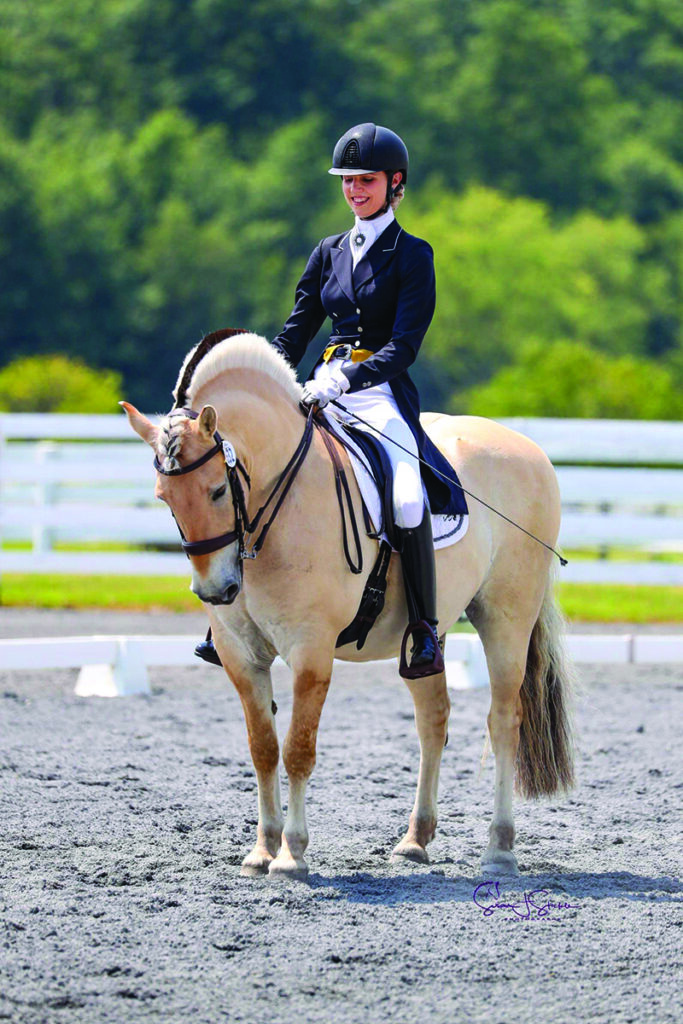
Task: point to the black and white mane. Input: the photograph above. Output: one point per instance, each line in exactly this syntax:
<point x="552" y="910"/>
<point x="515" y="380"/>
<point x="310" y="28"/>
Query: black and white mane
<point x="227" y="349"/>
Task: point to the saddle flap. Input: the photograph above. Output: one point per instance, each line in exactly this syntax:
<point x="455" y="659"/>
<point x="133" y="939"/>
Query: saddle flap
<point x="379" y="465"/>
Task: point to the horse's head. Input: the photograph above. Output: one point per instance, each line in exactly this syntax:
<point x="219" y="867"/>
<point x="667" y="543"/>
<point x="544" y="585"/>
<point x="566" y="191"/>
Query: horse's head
<point x="200" y="500"/>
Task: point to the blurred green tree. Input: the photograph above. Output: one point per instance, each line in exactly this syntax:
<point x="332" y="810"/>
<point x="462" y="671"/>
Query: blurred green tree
<point x="519" y="106"/>
<point x="162" y="171"/>
<point x="26" y="269"/>
<point x="53" y="383"/>
<point x="567" y="378"/>
<point x="506" y="274"/>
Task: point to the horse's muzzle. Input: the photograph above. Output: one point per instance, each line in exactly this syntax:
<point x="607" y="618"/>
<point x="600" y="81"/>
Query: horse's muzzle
<point x="225" y="596"/>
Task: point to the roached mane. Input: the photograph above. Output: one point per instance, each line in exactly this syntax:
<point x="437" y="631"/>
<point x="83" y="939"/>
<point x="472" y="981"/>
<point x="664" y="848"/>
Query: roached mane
<point x="243" y="352"/>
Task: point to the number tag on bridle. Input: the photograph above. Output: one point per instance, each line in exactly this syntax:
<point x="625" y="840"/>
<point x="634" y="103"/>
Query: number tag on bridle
<point x="229" y="454"/>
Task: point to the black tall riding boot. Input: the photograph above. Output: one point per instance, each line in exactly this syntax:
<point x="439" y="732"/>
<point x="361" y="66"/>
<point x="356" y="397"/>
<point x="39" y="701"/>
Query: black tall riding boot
<point x="207" y="652"/>
<point x="419" y="577"/>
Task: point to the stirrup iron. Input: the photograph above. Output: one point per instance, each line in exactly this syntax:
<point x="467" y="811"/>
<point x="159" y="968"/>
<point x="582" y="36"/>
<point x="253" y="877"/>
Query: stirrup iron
<point x="430" y="668"/>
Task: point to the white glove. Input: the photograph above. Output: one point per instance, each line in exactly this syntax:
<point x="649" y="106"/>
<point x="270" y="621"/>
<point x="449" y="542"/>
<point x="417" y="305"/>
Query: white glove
<point x="323" y="390"/>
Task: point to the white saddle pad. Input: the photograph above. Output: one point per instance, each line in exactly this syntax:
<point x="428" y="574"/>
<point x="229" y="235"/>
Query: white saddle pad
<point x="447" y="530"/>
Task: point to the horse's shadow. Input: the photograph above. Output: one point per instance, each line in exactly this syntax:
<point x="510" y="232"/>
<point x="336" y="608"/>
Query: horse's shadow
<point x="366" y="888"/>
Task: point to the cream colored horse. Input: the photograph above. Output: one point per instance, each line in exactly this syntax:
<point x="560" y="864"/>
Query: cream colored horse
<point x="297" y="596"/>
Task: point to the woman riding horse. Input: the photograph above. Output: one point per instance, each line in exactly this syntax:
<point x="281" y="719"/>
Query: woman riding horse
<point x="226" y="449"/>
<point x="221" y="456"/>
<point x="376" y="283"/>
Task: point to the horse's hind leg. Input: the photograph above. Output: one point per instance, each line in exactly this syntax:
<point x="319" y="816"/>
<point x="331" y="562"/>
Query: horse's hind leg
<point x="506" y="643"/>
<point x="504" y="720"/>
<point x="311" y="683"/>
<point x="432" y="707"/>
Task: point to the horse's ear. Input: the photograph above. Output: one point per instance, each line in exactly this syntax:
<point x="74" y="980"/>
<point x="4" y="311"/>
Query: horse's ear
<point x="140" y="424"/>
<point x="208" y="422"/>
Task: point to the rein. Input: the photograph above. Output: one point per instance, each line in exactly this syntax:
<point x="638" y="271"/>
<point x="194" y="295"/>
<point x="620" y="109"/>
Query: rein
<point x="245" y="527"/>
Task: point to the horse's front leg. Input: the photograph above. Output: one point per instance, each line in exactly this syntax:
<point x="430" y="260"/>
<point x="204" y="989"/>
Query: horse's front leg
<point x="311" y="683"/>
<point x="432" y="707"/>
<point x="255" y="689"/>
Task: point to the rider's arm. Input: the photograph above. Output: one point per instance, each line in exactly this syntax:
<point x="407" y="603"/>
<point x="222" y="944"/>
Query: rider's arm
<point x="414" y="312"/>
<point x="308" y="314"/>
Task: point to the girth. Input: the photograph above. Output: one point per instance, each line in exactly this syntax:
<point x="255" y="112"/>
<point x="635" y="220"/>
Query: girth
<point x="371" y="603"/>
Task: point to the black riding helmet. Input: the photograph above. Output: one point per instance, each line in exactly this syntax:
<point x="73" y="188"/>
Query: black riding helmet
<point x="370" y="147"/>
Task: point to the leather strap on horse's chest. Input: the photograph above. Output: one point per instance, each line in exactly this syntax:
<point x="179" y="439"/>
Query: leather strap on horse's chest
<point x="372" y="601"/>
<point x="283" y="485"/>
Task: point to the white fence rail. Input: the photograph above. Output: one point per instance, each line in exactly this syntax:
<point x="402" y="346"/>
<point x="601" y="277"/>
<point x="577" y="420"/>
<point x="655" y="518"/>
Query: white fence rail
<point x="54" y="487"/>
<point x="114" y="666"/>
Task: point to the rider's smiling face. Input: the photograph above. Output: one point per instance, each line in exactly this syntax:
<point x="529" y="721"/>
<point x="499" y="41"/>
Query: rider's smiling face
<point x="365" y="193"/>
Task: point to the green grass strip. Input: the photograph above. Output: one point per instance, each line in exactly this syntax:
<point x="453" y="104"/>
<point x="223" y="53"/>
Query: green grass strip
<point x="131" y="593"/>
<point x="581" y="602"/>
<point x="620" y="602"/>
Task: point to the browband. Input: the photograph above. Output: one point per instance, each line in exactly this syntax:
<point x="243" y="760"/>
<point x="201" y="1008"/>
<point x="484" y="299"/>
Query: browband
<point x="231" y="459"/>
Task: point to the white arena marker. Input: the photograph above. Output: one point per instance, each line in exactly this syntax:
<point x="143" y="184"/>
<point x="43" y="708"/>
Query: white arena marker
<point x="168" y="650"/>
<point x="56" y="652"/>
<point x="610" y="650"/>
<point x="465" y="662"/>
<point x="126" y="676"/>
<point x="657" y="649"/>
<point x="96" y="681"/>
<point x="117" y="665"/>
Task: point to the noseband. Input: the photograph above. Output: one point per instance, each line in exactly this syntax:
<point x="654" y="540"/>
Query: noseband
<point x="243" y="526"/>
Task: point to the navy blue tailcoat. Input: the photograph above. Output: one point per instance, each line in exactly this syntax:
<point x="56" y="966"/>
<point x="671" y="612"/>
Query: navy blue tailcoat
<point x="385" y="305"/>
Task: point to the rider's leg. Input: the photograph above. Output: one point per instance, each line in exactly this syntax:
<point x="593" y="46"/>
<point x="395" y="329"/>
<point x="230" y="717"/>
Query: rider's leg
<point x="417" y="558"/>
<point x="377" y="407"/>
<point x="419" y="574"/>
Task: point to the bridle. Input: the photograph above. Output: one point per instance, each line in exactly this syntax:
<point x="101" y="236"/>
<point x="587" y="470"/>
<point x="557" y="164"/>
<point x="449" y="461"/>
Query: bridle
<point x="234" y="467"/>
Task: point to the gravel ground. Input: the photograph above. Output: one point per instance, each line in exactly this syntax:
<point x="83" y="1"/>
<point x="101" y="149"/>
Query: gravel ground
<point x="125" y="821"/>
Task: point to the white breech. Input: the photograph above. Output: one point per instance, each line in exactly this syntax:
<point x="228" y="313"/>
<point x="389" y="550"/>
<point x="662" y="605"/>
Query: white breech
<point x="377" y="406"/>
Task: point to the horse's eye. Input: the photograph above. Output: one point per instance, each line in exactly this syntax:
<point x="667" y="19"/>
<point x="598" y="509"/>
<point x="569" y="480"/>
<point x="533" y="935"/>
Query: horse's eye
<point x="218" y="494"/>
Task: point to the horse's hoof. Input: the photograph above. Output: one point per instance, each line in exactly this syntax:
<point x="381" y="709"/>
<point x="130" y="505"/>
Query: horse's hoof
<point x="253" y="870"/>
<point x="502" y="862"/>
<point x="256" y="863"/>
<point x="409" y="851"/>
<point x="289" y="870"/>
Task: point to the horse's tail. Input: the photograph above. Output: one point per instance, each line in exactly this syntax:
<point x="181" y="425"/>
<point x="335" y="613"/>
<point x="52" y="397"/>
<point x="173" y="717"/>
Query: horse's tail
<point x="545" y="757"/>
